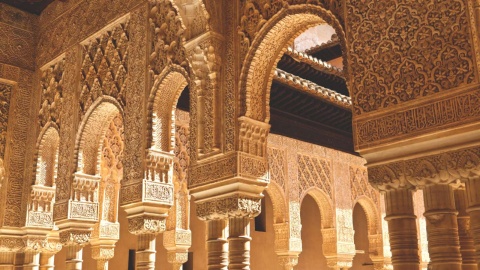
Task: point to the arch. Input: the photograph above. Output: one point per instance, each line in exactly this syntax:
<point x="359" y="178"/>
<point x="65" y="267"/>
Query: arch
<point x="268" y="47"/>
<point x="371" y="213"/>
<point x="89" y="139"/>
<point x="279" y="205"/>
<point x="324" y="204"/>
<point x="46" y="159"/>
<point x="161" y="107"/>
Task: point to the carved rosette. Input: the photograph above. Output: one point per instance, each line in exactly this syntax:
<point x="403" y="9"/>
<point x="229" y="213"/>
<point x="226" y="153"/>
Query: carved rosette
<point x="40" y="207"/>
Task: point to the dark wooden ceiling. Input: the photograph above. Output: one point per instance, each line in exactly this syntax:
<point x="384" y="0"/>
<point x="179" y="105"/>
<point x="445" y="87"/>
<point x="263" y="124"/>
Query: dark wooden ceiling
<point x="31" y="6"/>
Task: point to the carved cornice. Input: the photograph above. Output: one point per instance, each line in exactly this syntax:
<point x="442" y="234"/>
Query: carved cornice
<point x="40" y="207"/>
<point x="444" y="168"/>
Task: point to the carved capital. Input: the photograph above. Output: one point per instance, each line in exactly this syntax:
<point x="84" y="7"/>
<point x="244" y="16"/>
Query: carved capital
<point x="286" y="240"/>
<point x="229" y="207"/>
<point x="444" y="168"/>
<point x="40" y="207"/>
<point x="73" y="237"/>
<point x="177" y="258"/>
<point x="103" y="253"/>
<point x="11" y="244"/>
<point x="177" y="240"/>
<point x="287" y="262"/>
<point x="106" y="230"/>
<point x="146" y="225"/>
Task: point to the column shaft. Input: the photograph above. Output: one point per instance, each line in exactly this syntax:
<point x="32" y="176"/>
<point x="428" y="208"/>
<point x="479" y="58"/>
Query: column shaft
<point x="7" y="260"/>
<point x="217" y="246"/>
<point x="467" y="248"/>
<point x="74" y="257"/>
<point x="442" y="228"/>
<point x="472" y="188"/>
<point x="31" y="260"/>
<point x="47" y="261"/>
<point x="402" y="229"/>
<point x="239" y="243"/>
<point x="146" y="252"/>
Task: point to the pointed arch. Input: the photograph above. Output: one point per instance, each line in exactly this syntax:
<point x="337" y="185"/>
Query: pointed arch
<point x="268" y="47"/>
<point x="279" y="205"/>
<point x="372" y="214"/>
<point x="324" y="204"/>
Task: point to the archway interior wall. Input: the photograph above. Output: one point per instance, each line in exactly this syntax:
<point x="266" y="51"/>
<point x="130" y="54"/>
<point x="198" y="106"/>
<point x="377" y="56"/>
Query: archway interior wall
<point x="47" y="157"/>
<point x="162" y="104"/>
<point x="91" y="132"/>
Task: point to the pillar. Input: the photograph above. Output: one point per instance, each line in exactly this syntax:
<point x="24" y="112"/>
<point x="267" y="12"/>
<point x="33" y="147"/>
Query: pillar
<point x="47" y="261"/>
<point x="145" y="257"/>
<point x="7" y="260"/>
<point x="402" y="229"/>
<point x="467" y="248"/>
<point x="472" y="188"/>
<point x="442" y="227"/>
<point x="31" y="260"/>
<point x="74" y="257"/>
<point x="217" y="246"/>
<point x="239" y="243"/>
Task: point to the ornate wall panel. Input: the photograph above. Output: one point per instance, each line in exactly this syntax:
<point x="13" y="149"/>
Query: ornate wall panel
<point x="360" y="185"/>
<point x="63" y="24"/>
<point x="402" y="50"/>
<point x="5" y="94"/>
<point x="18" y="146"/>
<point x="17" y="45"/>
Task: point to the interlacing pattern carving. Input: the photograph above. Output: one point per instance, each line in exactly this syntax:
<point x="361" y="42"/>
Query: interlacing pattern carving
<point x="52" y="93"/>
<point x="449" y="167"/>
<point x="194" y="16"/>
<point x="315" y="172"/>
<point x="421" y="48"/>
<point x="167" y="44"/>
<point x="277" y="166"/>
<point x="5" y="93"/>
<point x="104" y="68"/>
<point x="360" y="185"/>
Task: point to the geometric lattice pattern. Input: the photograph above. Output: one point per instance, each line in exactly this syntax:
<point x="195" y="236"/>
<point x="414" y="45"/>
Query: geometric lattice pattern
<point x="314" y="172"/>
<point x="361" y="186"/>
<point x="277" y="166"/>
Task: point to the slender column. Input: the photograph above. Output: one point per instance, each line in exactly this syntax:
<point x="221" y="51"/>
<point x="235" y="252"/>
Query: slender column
<point x="146" y="251"/>
<point x="467" y="248"/>
<point x="217" y="246"/>
<point x="472" y="188"/>
<point x="31" y="260"/>
<point x="442" y="228"/>
<point x="239" y="243"/>
<point x="74" y="257"/>
<point x="402" y="229"/>
<point x="47" y="261"/>
<point x="7" y="260"/>
<point x="102" y="264"/>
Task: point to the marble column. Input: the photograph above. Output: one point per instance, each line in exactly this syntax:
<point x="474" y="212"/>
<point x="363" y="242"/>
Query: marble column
<point x="7" y="260"/>
<point x="74" y="257"/>
<point x="145" y="257"/>
<point x="47" y="261"/>
<point x="239" y="243"/>
<point x="472" y="188"/>
<point x="217" y="245"/>
<point x="467" y="248"/>
<point x="402" y="229"/>
<point x="442" y="227"/>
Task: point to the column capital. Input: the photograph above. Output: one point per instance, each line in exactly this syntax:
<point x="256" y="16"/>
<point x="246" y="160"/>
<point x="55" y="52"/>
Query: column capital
<point x="146" y="225"/>
<point x="232" y="206"/>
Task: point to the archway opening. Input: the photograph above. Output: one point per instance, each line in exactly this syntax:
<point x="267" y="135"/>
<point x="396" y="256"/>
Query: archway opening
<point x="47" y="160"/>
<point x="362" y="258"/>
<point x="312" y="256"/>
